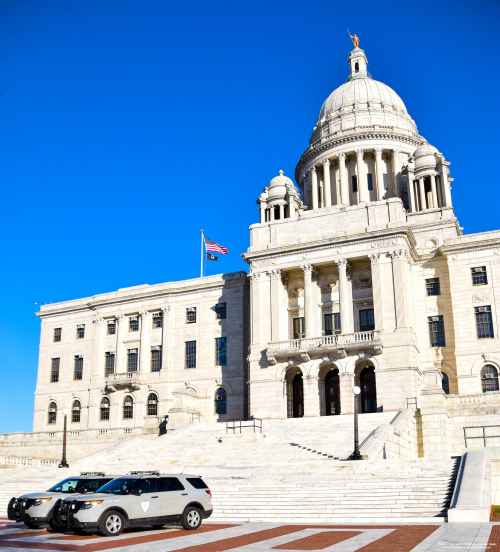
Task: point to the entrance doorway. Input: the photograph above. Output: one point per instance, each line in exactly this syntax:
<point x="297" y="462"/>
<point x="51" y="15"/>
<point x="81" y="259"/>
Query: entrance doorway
<point x="298" y="396"/>
<point x="368" y="390"/>
<point x="332" y="389"/>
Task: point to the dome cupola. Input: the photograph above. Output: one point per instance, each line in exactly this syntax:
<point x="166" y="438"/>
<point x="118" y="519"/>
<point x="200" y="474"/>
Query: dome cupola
<point x="279" y="200"/>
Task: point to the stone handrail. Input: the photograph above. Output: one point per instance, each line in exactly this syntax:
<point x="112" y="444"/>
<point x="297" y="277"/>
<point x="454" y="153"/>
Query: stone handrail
<point x="120" y="376"/>
<point x="80" y="433"/>
<point x="473" y="398"/>
<point x="34" y="462"/>
<point x="338" y="339"/>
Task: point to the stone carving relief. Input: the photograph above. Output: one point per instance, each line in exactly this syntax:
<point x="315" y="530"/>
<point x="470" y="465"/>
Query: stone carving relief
<point x="296" y="289"/>
<point x="329" y="284"/>
<point x="362" y="279"/>
<point x="383" y="243"/>
<point x="155" y="340"/>
<point x="480" y="297"/>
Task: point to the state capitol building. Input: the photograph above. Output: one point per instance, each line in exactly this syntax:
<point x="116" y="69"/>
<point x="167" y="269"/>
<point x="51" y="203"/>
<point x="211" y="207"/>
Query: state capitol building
<point x="359" y="274"/>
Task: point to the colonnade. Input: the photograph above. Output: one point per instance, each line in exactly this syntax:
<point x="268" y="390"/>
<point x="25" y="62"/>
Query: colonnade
<point x="429" y="192"/>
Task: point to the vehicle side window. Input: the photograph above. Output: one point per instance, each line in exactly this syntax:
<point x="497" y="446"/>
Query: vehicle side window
<point x="147" y="486"/>
<point x="197" y="482"/>
<point x="93" y="484"/>
<point x="170" y="484"/>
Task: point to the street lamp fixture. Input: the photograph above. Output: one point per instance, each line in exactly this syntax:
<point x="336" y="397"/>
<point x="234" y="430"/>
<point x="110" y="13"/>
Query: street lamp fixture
<point x="63" y="463"/>
<point x="356" y="455"/>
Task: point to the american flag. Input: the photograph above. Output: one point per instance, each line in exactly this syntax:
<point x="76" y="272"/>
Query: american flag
<point x="212" y="246"/>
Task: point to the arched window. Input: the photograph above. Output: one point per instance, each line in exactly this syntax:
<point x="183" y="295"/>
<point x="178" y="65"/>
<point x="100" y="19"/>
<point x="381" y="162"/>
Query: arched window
<point x="445" y="383"/>
<point x="52" y="413"/>
<point x="356" y="67"/>
<point x="368" y="390"/>
<point x="489" y="378"/>
<point x="152" y="405"/>
<point x="221" y="401"/>
<point x="128" y="408"/>
<point x="104" y="409"/>
<point x="75" y="412"/>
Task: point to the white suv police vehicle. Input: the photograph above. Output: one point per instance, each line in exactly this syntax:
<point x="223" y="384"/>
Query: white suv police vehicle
<point x="138" y="499"/>
<point x="38" y="508"/>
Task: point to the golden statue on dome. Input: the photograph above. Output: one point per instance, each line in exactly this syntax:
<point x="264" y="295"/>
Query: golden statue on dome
<point x="355" y="39"/>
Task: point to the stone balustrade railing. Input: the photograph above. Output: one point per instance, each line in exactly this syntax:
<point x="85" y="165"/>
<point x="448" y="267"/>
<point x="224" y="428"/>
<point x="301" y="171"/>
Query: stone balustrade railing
<point x="473" y="398"/>
<point x="74" y="434"/>
<point x="34" y="462"/>
<point x="338" y="339"/>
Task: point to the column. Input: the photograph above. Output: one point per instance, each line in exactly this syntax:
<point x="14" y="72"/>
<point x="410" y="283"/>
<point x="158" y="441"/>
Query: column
<point x="363" y="193"/>
<point x="326" y="183"/>
<point x="377" y="283"/>
<point x="255" y="305"/>
<point x="271" y="213"/>
<point x="164" y="337"/>
<point x="100" y="327"/>
<point x="275" y="303"/>
<point x="145" y="350"/>
<point x="282" y="211"/>
<point x="395" y="171"/>
<point x="262" y="212"/>
<point x="402" y="296"/>
<point x="444" y="184"/>
<point x="120" y="357"/>
<point x="291" y="206"/>
<point x="344" y="188"/>
<point x="338" y="197"/>
<point x="422" y="194"/>
<point x="345" y="318"/>
<point x="435" y="203"/>
<point x="311" y="396"/>
<point x="346" y="396"/>
<point x="411" y="191"/>
<point x="379" y="175"/>
<point x="314" y="186"/>
<point x="308" y="307"/>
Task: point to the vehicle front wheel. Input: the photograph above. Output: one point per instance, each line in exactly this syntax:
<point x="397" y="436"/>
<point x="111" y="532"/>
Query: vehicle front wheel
<point x="191" y="518"/>
<point x="112" y="524"/>
<point x="53" y="525"/>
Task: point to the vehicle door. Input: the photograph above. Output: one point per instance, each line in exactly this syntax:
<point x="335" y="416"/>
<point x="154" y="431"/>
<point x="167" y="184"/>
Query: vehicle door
<point x="173" y="496"/>
<point x="145" y="499"/>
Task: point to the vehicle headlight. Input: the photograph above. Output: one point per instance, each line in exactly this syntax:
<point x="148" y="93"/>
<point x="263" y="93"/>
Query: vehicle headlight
<point x="39" y="501"/>
<point x="90" y="503"/>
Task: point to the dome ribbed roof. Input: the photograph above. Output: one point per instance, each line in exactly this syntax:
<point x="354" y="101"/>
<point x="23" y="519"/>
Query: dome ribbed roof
<point x="280" y="180"/>
<point x="423" y="150"/>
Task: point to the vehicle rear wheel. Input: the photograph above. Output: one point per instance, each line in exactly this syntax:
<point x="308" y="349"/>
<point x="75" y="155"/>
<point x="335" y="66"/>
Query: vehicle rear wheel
<point x="53" y="525"/>
<point x="112" y="524"/>
<point x="191" y="518"/>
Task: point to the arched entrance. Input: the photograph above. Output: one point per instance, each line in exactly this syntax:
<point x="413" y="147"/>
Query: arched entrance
<point x="332" y="393"/>
<point x="368" y="390"/>
<point x="298" y="396"/>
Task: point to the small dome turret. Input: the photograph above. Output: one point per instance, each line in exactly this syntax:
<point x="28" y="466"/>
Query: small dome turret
<point x="280" y="199"/>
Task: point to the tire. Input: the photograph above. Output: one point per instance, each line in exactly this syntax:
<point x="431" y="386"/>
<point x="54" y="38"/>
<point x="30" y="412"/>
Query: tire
<point x="158" y="526"/>
<point x="31" y="525"/>
<point x="53" y="525"/>
<point x="112" y="524"/>
<point x="191" y="518"/>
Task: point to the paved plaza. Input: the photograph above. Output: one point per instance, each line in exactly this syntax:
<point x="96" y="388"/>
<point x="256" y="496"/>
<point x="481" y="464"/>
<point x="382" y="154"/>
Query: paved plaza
<point x="247" y="537"/>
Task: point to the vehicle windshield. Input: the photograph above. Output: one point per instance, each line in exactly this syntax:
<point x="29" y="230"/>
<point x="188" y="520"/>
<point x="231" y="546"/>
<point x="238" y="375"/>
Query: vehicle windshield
<point x="119" y="486"/>
<point x="69" y="485"/>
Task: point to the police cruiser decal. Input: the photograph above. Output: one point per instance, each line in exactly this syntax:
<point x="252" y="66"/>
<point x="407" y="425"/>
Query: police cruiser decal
<point x="197" y="492"/>
<point x="145" y="506"/>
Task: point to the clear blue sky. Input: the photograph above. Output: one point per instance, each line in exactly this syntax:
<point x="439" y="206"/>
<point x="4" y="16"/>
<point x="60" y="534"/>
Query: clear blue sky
<point x="129" y="125"/>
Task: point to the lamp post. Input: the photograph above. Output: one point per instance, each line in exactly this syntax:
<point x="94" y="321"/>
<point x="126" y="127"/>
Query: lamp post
<point x="356" y="455"/>
<point x="63" y="463"/>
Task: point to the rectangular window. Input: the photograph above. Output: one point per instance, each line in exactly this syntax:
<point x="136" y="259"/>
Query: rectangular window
<point x="78" y="373"/>
<point x="54" y="370"/>
<point x="479" y="277"/>
<point x="220" y="311"/>
<point x="190" y="354"/>
<point x="110" y="363"/>
<point x="370" y="182"/>
<point x="57" y="334"/>
<point x="220" y="351"/>
<point x="332" y="323"/>
<point x="111" y="327"/>
<point x="366" y="320"/>
<point x="156" y="358"/>
<point x="484" y="322"/>
<point x="298" y="328"/>
<point x="132" y="360"/>
<point x="80" y="331"/>
<point x="157" y="320"/>
<point x="191" y="315"/>
<point x="436" y="331"/>
<point x="432" y="286"/>
<point x="354" y="183"/>
<point x="133" y="324"/>
<point x="385" y="181"/>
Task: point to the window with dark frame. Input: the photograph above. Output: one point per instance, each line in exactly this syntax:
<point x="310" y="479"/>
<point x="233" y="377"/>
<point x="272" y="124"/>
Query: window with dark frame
<point x="484" y="322"/>
<point x="445" y="383"/>
<point x="75" y="412"/>
<point x="54" y="370"/>
<point x="152" y="405"/>
<point x="191" y="315"/>
<point x="220" y="351"/>
<point x="366" y="320"/>
<point x="57" y="334"/>
<point x="489" y="378"/>
<point x="190" y="354"/>
<point x="221" y="401"/>
<point x="157" y="320"/>
<point x="384" y="176"/>
<point x="104" y="409"/>
<point x="370" y="181"/>
<point x="128" y="408"/>
<point x="78" y="372"/>
<point x="156" y="358"/>
<point x="479" y="277"/>
<point x="220" y="311"/>
<point x="133" y="324"/>
<point x="80" y="331"/>
<point x="354" y="180"/>
<point x="132" y="360"/>
<point x="112" y="327"/>
<point x="299" y="328"/>
<point x="332" y="323"/>
<point x="110" y="363"/>
<point x="432" y="286"/>
<point x="436" y="331"/>
<point x="52" y="413"/>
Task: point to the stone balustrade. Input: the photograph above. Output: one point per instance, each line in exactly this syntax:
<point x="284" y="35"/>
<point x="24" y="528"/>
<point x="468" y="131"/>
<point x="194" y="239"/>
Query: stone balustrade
<point x="70" y="435"/>
<point x="33" y="462"/>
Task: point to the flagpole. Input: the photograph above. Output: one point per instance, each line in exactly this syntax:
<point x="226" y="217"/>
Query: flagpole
<point x="201" y="269"/>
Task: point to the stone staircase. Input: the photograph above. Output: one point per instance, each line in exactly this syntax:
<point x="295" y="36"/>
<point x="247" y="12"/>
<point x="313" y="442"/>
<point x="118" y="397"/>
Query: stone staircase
<point x="295" y="470"/>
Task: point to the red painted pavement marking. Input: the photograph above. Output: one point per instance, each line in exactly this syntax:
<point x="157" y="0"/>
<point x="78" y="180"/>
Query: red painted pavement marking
<point x="319" y="541"/>
<point x="494" y="539"/>
<point x="21" y="535"/>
